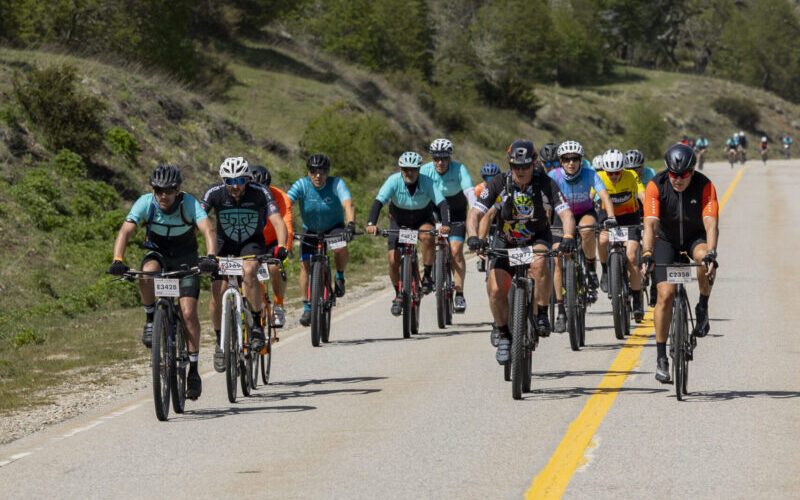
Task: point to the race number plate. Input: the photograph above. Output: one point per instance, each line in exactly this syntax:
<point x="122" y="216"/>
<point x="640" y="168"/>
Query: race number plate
<point x="167" y="287"/>
<point x="408" y="236"/>
<point x="677" y="275"/>
<point x="263" y="272"/>
<point x="522" y="255"/>
<point x="336" y="244"/>
<point x="230" y="266"/>
<point x="618" y="234"/>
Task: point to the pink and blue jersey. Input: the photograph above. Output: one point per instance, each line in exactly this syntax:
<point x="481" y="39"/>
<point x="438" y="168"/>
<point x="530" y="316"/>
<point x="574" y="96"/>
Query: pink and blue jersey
<point x="578" y="190"/>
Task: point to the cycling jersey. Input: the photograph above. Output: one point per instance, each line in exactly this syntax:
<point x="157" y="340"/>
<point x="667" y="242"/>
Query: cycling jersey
<point x="624" y="192"/>
<point x="787" y="140"/>
<point x="531" y="205"/>
<point x="587" y="164"/>
<point x="731" y="143"/>
<point x="171" y="234"/>
<point x="578" y="190"/>
<point x="647" y="175"/>
<point x="321" y="209"/>
<point x="681" y="214"/>
<point x="763" y="145"/>
<point x="455" y="181"/>
<point x="285" y="209"/>
<point x="701" y="143"/>
<point x="397" y="191"/>
<point x="240" y="222"/>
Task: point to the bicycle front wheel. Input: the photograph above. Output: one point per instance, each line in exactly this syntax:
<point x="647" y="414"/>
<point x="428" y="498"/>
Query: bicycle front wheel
<point x="571" y="303"/>
<point x="265" y="361"/>
<point x="181" y="366"/>
<point x="441" y="292"/>
<point x="160" y="362"/>
<point x="230" y="351"/>
<point x="680" y="340"/>
<point x="519" y="325"/>
<point x="407" y="298"/>
<point x="615" y="263"/>
<point x="450" y="292"/>
<point x="317" y="299"/>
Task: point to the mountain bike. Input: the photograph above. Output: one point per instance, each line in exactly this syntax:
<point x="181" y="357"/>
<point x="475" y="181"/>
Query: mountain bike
<point x="521" y="312"/>
<point x="681" y="342"/>
<point x="263" y="363"/>
<point x="320" y="285"/>
<point x="410" y="284"/>
<point x="443" y="281"/>
<point x="576" y="292"/>
<point x="169" y="355"/>
<point x="764" y="156"/>
<point x="619" y="289"/>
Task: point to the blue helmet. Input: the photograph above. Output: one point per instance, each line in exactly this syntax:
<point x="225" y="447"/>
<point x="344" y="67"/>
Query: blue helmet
<point x="489" y="170"/>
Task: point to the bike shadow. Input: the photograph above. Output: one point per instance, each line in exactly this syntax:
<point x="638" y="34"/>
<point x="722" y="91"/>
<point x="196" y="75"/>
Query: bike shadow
<point x="340" y="343"/>
<point x="576" y="392"/>
<point x="450" y="333"/>
<point x="614" y="347"/>
<point x="716" y="396"/>
<point x="583" y="373"/>
<point x="212" y="413"/>
<point x="322" y="381"/>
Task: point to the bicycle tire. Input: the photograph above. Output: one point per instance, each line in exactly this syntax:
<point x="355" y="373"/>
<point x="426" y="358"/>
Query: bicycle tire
<point x="229" y="350"/>
<point x="615" y="289"/>
<point x="582" y="298"/>
<point x="407" y="302"/>
<point x="680" y="365"/>
<point x="450" y="292"/>
<point x="570" y="303"/>
<point x="159" y="362"/>
<point x="552" y="306"/>
<point x="316" y="303"/>
<point x="507" y="372"/>
<point x="416" y="302"/>
<point x="327" y="306"/>
<point x="245" y="370"/>
<point x="519" y="324"/>
<point x="441" y="292"/>
<point x="181" y="364"/>
<point x="265" y="361"/>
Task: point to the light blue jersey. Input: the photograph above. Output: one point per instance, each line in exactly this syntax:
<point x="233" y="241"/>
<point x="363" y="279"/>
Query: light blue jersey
<point x="396" y="191"/>
<point x="578" y="191"/>
<point x="647" y="175"/>
<point x="453" y="182"/>
<point x="164" y="224"/>
<point x="321" y="209"/>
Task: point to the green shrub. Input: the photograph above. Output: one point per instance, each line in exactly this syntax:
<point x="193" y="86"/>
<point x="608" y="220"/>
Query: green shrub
<point x="645" y="128"/>
<point x="28" y="336"/>
<point x="121" y="143"/>
<point x="65" y="116"/>
<point x="92" y="198"/>
<point x="41" y="197"/>
<point x="68" y="165"/>
<point x="742" y="111"/>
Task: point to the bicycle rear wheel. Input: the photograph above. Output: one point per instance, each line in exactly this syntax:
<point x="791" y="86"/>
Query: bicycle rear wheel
<point x="327" y="307"/>
<point x="416" y="302"/>
<point x="618" y="309"/>
<point x="519" y="325"/>
<point x="317" y="314"/>
<point x="230" y="351"/>
<point x="178" y="378"/>
<point x="441" y="295"/>
<point x="265" y="361"/>
<point x="160" y="362"/>
<point x="450" y="292"/>
<point x="407" y="298"/>
<point x="551" y="262"/>
<point x="571" y="304"/>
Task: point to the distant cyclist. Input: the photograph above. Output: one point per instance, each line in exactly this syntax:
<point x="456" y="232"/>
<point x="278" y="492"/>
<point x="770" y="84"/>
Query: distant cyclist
<point x="326" y="207"/>
<point x="786" y="140"/>
<point x="548" y="157"/>
<point x="763" y="148"/>
<point x="681" y="215"/>
<point x="262" y="176"/>
<point x="454" y="181"/>
<point x="488" y="171"/>
<point x="410" y="194"/>
<point x="701" y="147"/>
<point x="634" y="160"/>
<point x="171" y="218"/>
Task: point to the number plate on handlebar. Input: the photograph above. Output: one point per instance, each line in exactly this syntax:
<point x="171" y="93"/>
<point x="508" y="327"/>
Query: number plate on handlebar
<point x="336" y="244"/>
<point x="618" y="234"/>
<point x="678" y="275"/>
<point x="230" y="266"/>
<point x="167" y="287"/>
<point x="263" y="272"/>
<point x="408" y="236"/>
<point x="521" y="255"/>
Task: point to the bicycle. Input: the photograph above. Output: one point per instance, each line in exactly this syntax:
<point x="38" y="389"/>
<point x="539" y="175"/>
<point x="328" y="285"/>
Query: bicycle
<point x="787" y="151"/>
<point x="320" y="285"/>
<point x="410" y="284"/>
<point x="741" y="155"/>
<point x="263" y="363"/>
<point x="764" y="156"/>
<point x="732" y="156"/>
<point x="576" y="291"/>
<point x="618" y="286"/>
<point x="443" y="280"/>
<point x="701" y="158"/>
<point x="236" y="327"/>
<point x="169" y="355"/>
<point x="521" y="312"/>
<point x="681" y="342"/>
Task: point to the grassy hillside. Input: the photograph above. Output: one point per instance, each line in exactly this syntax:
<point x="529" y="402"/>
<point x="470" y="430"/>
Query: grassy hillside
<point x="58" y="305"/>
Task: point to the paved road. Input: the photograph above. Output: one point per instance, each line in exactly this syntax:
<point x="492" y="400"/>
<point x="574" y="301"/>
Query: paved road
<point x="374" y="416"/>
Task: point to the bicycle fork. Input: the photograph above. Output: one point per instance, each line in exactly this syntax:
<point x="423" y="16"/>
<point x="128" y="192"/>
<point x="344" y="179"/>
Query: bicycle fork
<point x="231" y="295"/>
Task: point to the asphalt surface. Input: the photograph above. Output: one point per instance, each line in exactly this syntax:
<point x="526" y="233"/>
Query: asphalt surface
<point x="372" y="415"/>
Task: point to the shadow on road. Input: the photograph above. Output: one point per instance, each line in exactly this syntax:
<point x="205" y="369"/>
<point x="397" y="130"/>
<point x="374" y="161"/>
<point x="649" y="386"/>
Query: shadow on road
<point x="582" y="373"/>
<point x="209" y="413"/>
<point x="575" y="392"/>
<point x="320" y="381"/>
<point x="713" y="396"/>
<point x="614" y="347"/>
<point x="450" y="333"/>
<point x="342" y="343"/>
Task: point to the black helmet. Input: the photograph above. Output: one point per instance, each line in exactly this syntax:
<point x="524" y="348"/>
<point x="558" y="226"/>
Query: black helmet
<point x="166" y="176"/>
<point x="680" y="158"/>
<point x="318" y="161"/>
<point x="549" y="152"/>
<point x="521" y="152"/>
<point x="261" y="175"/>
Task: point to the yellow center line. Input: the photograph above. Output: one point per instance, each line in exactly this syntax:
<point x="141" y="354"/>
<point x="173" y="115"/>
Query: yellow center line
<point x="552" y="481"/>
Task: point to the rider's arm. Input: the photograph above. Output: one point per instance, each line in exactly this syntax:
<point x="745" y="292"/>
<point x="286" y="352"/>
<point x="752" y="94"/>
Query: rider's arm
<point x="124" y="235"/>
<point x="652" y="214"/>
<point x="209" y="234"/>
<point x="600" y="188"/>
<point x="374" y="212"/>
<point x="485" y="223"/>
<point x="466" y="185"/>
<point x="561" y="206"/>
<point x="711" y="215"/>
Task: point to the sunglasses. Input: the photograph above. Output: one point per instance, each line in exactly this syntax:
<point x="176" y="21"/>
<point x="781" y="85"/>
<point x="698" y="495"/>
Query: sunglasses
<point x="166" y="191"/>
<point x="237" y="181"/>
<point x="521" y="167"/>
<point x="551" y="164"/>
<point x="684" y="175"/>
<point x="409" y="170"/>
<point x="614" y="174"/>
<point x="317" y="171"/>
<point x="442" y="159"/>
<point x="570" y="159"/>
<point x="487" y="178"/>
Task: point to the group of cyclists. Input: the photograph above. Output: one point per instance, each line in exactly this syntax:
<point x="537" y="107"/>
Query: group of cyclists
<point x="553" y="190"/>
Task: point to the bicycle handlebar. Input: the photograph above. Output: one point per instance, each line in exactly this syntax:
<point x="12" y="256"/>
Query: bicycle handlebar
<point x="134" y="274"/>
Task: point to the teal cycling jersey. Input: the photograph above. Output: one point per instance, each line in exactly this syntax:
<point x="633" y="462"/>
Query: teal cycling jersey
<point x="171" y="233"/>
<point x="321" y="209"/>
<point x="456" y="180"/>
<point x="647" y="175"/>
<point x="701" y="143"/>
<point x="587" y="164"/>
<point x="396" y="191"/>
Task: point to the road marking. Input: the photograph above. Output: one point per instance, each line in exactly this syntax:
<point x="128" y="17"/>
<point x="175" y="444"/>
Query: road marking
<point x="552" y="481"/>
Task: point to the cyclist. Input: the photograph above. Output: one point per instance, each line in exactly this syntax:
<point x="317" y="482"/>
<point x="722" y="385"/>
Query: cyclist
<point x="763" y="147"/>
<point x="681" y="215"/>
<point x="634" y="160"/>
<point x="262" y="176"/>
<point x="786" y="140"/>
<point x="410" y="194"/>
<point x="522" y="217"/>
<point x="627" y="194"/>
<point x="326" y="207"/>
<point x="685" y="140"/>
<point x="242" y="209"/>
<point x="171" y="217"/>
<point x="576" y="183"/>
<point x="488" y="170"/>
<point x="700" y="147"/>
<point x="730" y="147"/>
<point x="454" y="181"/>
<point x="597" y="163"/>
<point x="548" y="157"/>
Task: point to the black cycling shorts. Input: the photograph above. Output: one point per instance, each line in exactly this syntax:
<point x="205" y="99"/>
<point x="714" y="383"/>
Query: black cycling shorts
<point x="409" y="219"/>
<point x="543" y="237"/>
<point x="634" y="234"/>
<point x="189" y="285"/>
<point x="666" y="253"/>
<point x="228" y="249"/>
<point x="308" y="246"/>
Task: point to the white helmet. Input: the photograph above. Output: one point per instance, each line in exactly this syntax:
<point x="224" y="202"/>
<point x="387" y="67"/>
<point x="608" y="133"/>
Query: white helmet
<point x="409" y="159"/>
<point x="741" y="133"/>
<point x="597" y="162"/>
<point x="235" y="167"/>
<point x="441" y="147"/>
<point x="764" y="139"/>
<point x="568" y="147"/>
<point x="613" y="160"/>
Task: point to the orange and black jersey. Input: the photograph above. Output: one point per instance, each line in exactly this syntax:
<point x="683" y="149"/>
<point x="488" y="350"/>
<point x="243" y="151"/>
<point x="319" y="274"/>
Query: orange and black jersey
<point x="681" y="214"/>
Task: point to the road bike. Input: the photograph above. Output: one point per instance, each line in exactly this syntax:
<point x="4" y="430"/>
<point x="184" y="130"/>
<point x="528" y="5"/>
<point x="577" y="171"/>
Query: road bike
<point x="619" y="290"/>
<point x="521" y="316"/>
<point x="410" y="284"/>
<point x="741" y="155"/>
<point x="577" y="292"/>
<point x="732" y="156"/>
<point x="169" y="355"/>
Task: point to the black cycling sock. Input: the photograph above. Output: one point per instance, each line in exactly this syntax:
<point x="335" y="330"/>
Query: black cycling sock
<point x="504" y="330"/>
<point x="703" y="301"/>
<point x="543" y="310"/>
<point x="427" y="270"/>
<point x="561" y="308"/>
<point x="604" y="266"/>
<point x="459" y="294"/>
<point x="192" y="366"/>
<point x="661" y="349"/>
<point x="217" y="333"/>
<point x="150" y="311"/>
<point x="257" y="318"/>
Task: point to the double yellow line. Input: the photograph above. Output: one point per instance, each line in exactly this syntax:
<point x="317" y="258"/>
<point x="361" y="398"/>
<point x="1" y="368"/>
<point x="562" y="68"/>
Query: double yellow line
<point x="553" y="480"/>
